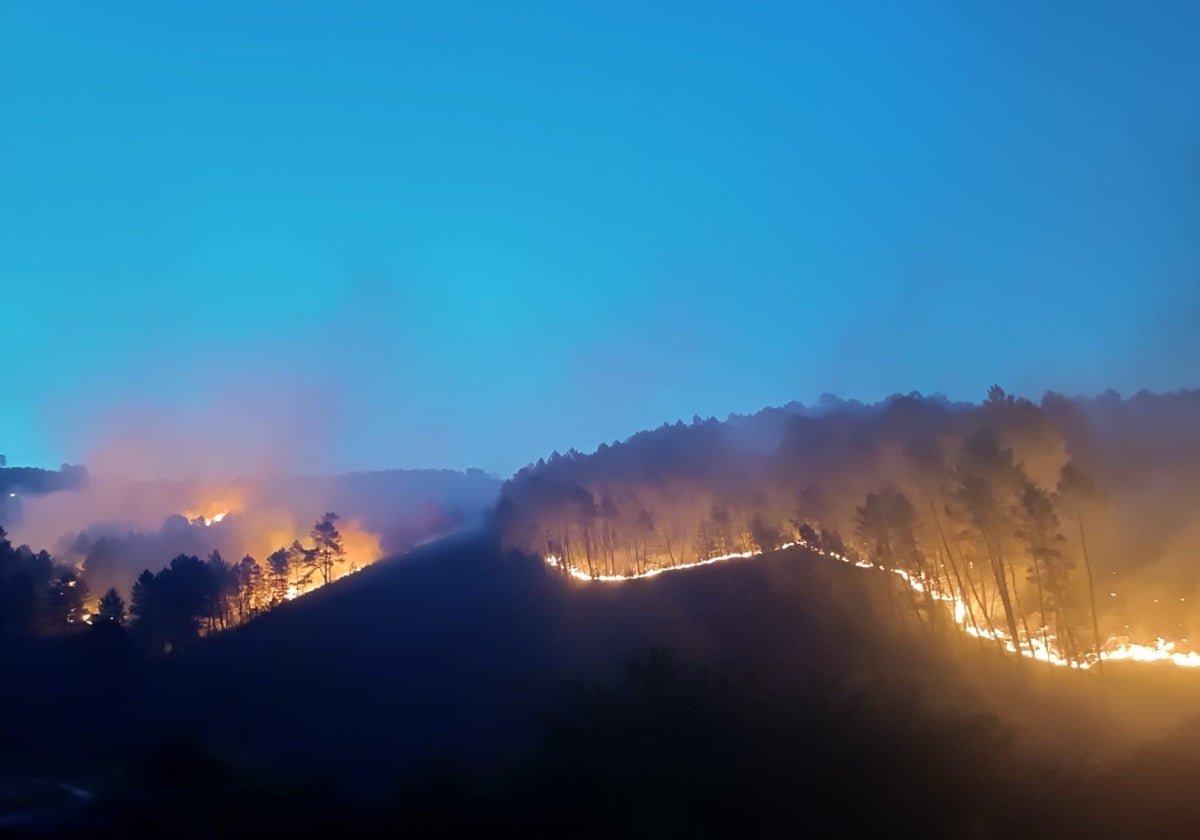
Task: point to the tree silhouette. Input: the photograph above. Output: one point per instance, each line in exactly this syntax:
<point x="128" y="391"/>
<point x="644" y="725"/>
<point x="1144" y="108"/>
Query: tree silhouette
<point x="1077" y="489"/>
<point x="1038" y="528"/>
<point x="147" y="608"/>
<point x="221" y="591"/>
<point x="328" y="550"/>
<point x="112" y="609"/>
<point x="279" y="565"/>
<point x="171" y="608"/>
<point x="304" y="563"/>
<point x="24" y="584"/>
<point x="249" y="588"/>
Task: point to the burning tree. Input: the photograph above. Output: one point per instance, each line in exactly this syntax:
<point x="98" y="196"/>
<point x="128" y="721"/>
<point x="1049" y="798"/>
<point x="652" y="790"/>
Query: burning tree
<point x="328" y="550"/>
<point x="68" y="593"/>
<point x="1076" y="488"/>
<point x="279" y="565"/>
<point x="250" y="590"/>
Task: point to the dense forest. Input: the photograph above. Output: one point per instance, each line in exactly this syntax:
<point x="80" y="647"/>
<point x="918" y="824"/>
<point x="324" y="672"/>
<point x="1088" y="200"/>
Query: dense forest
<point x="802" y="693"/>
<point x="114" y="526"/>
<point x="1011" y="508"/>
<point x="170" y="609"/>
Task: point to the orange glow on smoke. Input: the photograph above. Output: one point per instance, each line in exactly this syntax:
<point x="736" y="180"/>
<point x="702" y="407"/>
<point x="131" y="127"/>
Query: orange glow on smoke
<point x="217" y="505"/>
<point x="260" y="530"/>
<point x="362" y="546"/>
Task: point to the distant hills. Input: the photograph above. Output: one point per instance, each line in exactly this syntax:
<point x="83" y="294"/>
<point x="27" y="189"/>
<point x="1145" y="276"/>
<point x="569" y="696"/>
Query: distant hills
<point x="36" y="481"/>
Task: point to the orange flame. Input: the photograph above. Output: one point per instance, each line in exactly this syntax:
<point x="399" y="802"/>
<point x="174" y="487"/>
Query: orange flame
<point x="1115" y="649"/>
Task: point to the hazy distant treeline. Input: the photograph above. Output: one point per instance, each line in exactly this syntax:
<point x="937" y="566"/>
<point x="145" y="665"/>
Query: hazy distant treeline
<point x="106" y="549"/>
<point x="38" y="595"/>
<point x="17" y="482"/>
<point x="113" y="527"/>
<point x="169" y="610"/>
<point x="1068" y="517"/>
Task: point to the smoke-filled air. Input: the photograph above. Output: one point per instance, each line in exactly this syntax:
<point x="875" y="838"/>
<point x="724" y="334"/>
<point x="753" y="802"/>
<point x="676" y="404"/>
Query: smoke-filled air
<point x="157" y="501"/>
<point x="663" y="419"/>
<point x="1062" y="530"/>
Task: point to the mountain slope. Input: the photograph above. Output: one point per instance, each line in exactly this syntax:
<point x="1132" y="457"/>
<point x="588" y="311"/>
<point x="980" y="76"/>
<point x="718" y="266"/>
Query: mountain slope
<point x="457" y="649"/>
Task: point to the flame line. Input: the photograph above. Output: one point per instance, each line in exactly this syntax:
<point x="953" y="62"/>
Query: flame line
<point x="1113" y="650"/>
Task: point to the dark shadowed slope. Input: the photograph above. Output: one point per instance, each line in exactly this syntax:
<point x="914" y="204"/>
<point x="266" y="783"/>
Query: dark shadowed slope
<point x="425" y="651"/>
<point x="459" y="650"/>
<point x="802" y="678"/>
<point x="456" y="649"/>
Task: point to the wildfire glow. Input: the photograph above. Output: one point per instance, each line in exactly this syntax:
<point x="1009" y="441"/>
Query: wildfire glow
<point x="211" y="520"/>
<point x="361" y="546"/>
<point x="579" y="574"/>
<point x="207" y="519"/>
<point x="259" y="530"/>
<point x="1115" y="649"/>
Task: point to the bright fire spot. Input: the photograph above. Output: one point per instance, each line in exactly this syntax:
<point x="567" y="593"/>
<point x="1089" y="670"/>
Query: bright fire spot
<point x="206" y="519"/>
<point x="273" y="527"/>
<point x="362" y="549"/>
<point x="209" y="520"/>
<point x="1115" y="649"/>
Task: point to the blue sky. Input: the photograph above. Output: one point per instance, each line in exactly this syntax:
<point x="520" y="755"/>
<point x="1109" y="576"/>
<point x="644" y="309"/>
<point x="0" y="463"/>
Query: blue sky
<point x="469" y="233"/>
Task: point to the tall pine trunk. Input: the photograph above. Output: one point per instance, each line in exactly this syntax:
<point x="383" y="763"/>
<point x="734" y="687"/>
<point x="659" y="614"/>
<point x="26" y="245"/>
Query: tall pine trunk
<point x="1087" y="565"/>
<point x="1037" y="574"/>
<point x="962" y="593"/>
<point x="998" y="572"/>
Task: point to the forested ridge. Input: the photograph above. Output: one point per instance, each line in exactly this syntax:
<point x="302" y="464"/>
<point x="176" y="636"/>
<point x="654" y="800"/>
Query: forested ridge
<point x="801" y="692"/>
<point x="1014" y="508"/>
<point x="168" y="610"/>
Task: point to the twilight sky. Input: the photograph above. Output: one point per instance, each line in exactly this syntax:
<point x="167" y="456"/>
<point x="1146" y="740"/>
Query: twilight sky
<point x="464" y="234"/>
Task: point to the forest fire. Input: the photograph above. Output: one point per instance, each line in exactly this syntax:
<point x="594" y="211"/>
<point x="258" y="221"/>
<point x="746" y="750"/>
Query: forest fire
<point x="218" y="502"/>
<point x="295" y="562"/>
<point x="209" y="520"/>
<point x="1021" y="522"/>
<point x="579" y="574"/>
<point x="1040" y="648"/>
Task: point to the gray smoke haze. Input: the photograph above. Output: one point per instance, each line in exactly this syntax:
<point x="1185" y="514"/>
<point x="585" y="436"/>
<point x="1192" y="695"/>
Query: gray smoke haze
<point x="251" y="440"/>
<point x="116" y="527"/>
<point x="153" y="471"/>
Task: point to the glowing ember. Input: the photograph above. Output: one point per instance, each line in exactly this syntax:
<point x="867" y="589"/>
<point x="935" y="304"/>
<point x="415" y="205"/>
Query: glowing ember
<point x="1042" y="649"/>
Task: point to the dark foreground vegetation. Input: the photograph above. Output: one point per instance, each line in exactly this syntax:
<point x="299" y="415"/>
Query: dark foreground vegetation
<point x="461" y="691"/>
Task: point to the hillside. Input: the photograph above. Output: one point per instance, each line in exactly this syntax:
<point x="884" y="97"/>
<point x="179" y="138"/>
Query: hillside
<point x="1062" y="528"/>
<point x="453" y="648"/>
<point x="787" y="676"/>
<point x="458" y="649"/>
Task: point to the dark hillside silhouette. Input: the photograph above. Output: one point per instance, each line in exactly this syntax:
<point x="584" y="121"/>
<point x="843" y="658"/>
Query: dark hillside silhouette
<point x="428" y="693"/>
